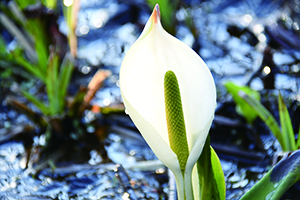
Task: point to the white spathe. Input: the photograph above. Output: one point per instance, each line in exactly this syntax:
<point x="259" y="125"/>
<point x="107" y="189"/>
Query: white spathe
<point x="142" y="88"/>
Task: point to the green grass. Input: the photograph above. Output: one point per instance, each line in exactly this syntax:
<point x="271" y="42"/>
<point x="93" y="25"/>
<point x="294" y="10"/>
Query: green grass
<point x="247" y="100"/>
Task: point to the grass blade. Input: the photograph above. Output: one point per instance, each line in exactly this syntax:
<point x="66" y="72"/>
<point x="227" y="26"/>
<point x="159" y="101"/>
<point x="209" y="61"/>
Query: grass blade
<point x="31" y="68"/>
<point x="22" y="107"/>
<point x="243" y="108"/>
<point x="37" y="32"/>
<point x="40" y="105"/>
<point x="51" y="84"/>
<point x="50" y="3"/>
<point x="265" y="116"/>
<point x="210" y="174"/>
<point x="286" y="125"/>
<point x="65" y="74"/>
<point x="23" y="4"/>
<point x="14" y="31"/>
<point x="298" y="140"/>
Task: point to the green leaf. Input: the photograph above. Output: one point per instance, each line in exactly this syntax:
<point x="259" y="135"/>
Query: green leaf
<point x="2" y="46"/>
<point x="36" y="28"/>
<point x="23" y="4"/>
<point x="218" y="176"/>
<point x="52" y="85"/>
<point x="286" y="125"/>
<point x="42" y="55"/>
<point x="298" y="140"/>
<point x="175" y="119"/>
<point x="277" y="181"/>
<point x="265" y="116"/>
<point x="50" y="3"/>
<point x="7" y="73"/>
<point x="19" y="35"/>
<point x="40" y="105"/>
<point x="65" y="75"/>
<point x="23" y="108"/>
<point x="31" y="68"/>
<point x="210" y="174"/>
<point x="243" y="107"/>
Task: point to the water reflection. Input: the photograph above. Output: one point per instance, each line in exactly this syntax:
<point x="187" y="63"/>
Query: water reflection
<point x="262" y="38"/>
<point x="103" y="43"/>
<point x="126" y="196"/>
<point x="266" y="70"/>
<point x="258" y="28"/>
<point x="160" y="170"/>
<point x="85" y="69"/>
<point x="97" y="23"/>
<point x="83" y="30"/>
<point x="106" y="102"/>
<point x="99" y="18"/>
<point x="246" y="20"/>
<point x="296" y="26"/>
<point x="68" y="2"/>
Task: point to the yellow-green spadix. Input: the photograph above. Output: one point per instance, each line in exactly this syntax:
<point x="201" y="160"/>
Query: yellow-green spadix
<point x="143" y="88"/>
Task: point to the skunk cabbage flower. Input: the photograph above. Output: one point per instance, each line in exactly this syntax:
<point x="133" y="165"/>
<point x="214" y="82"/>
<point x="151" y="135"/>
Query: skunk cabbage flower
<point x="154" y="59"/>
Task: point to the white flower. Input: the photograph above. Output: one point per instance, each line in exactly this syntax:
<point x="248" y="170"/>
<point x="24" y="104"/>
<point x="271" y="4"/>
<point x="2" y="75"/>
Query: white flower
<point x="142" y="87"/>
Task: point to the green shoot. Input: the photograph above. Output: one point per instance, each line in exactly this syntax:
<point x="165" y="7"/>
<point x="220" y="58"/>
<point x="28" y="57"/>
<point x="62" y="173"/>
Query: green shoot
<point x="35" y="42"/>
<point x="39" y="104"/>
<point x="251" y="106"/>
<point x="23" y="4"/>
<point x="266" y="117"/>
<point x="210" y="174"/>
<point x="57" y="82"/>
<point x="286" y="125"/>
<point x="31" y="68"/>
<point x="64" y="77"/>
<point x="298" y="140"/>
<point x="243" y="108"/>
<point x="51" y="4"/>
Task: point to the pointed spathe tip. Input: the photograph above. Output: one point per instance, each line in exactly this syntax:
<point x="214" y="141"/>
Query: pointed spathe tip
<point x="156" y="13"/>
<point x="157" y="9"/>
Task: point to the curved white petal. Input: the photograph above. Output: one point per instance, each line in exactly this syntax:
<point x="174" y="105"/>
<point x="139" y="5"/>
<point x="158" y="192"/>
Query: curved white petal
<point x="198" y="145"/>
<point x="156" y="143"/>
<point x="142" y="87"/>
<point x="142" y="74"/>
<point x="152" y="137"/>
<point x="193" y="157"/>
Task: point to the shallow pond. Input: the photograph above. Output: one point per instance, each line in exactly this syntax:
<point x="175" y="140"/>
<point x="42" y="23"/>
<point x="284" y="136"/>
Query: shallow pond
<point x="252" y="43"/>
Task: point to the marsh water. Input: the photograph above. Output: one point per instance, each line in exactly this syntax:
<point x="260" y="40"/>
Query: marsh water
<point x="249" y="42"/>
